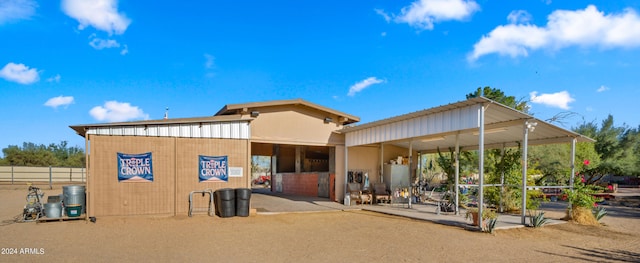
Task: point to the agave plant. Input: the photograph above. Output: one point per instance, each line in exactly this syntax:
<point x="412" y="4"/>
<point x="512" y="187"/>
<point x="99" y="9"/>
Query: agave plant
<point x="599" y="212"/>
<point x="491" y="225"/>
<point x="538" y="219"/>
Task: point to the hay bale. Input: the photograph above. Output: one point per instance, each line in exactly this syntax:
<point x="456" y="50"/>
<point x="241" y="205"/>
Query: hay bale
<point x="584" y="216"/>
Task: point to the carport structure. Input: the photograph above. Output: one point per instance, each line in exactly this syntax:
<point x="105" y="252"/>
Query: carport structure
<point x="474" y="124"/>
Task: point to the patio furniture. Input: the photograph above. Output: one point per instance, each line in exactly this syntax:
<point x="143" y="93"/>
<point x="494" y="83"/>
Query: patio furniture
<point x="380" y="193"/>
<point x="356" y="194"/>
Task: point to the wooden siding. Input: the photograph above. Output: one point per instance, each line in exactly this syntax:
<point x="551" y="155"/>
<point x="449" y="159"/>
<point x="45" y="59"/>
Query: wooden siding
<point x="175" y="169"/>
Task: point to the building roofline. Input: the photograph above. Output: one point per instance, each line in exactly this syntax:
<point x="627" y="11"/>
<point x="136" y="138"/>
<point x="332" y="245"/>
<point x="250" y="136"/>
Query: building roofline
<point x="81" y="128"/>
<point x="457" y="105"/>
<point x="245" y="108"/>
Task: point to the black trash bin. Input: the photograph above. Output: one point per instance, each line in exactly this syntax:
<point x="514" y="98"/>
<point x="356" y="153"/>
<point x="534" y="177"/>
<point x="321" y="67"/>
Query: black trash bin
<point x="243" y="198"/>
<point x="225" y="202"/>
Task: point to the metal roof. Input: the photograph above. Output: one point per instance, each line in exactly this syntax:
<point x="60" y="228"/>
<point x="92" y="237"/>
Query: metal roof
<point x="504" y="126"/>
<point x="81" y="129"/>
<point x="245" y="108"/>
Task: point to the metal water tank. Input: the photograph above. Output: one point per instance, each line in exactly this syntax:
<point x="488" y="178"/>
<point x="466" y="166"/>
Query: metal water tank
<point x="74" y="195"/>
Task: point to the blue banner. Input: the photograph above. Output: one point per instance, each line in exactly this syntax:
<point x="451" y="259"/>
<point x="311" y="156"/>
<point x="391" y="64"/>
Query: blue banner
<point x="135" y="167"/>
<point x="213" y="168"/>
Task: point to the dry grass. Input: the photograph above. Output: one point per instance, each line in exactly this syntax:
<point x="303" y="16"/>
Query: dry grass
<point x="584" y="216"/>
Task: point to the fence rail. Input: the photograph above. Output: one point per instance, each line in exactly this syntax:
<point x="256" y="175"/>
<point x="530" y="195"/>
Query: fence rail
<point x="20" y="174"/>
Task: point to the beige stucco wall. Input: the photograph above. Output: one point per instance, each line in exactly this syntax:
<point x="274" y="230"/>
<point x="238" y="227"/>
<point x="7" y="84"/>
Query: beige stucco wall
<point x="295" y="125"/>
<point x="367" y="159"/>
<point x="391" y="152"/>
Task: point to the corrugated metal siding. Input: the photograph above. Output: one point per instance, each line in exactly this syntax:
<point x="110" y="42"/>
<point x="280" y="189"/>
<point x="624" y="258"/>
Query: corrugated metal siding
<point x="222" y="130"/>
<point x="436" y="123"/>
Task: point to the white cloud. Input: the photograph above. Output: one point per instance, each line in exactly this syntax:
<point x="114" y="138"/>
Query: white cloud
<point x="14" y="10"/>
<point x="355" y="88"/>
<point x="99" y="43"/>
<point x="114" y="111"/>
<point x="586" y="28"/>
<point x="422" y="14"/>
<point x="100" y="14"/>
<point x="55" y="78"/>
<point x="519" y="17"/>
<point x="384" y="14"/>
<point x="56" y="102"/>
<point x="558" y="100"/>
<point x="209" y="61"/>
<point x="19" y="73"/>
<point x="383" y="34"/>
<point x="125" y="50"/>
<point x="602" y="88"/>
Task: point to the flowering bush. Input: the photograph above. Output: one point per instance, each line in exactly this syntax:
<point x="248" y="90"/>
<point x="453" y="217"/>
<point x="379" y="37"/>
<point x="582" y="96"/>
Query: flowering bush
<point x="581" y="196"/>
<point x="582" y="202"/>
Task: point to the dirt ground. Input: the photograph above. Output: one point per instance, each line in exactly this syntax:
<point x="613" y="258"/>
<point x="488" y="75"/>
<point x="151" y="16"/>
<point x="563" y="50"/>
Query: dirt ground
<point x="346" y="236"/>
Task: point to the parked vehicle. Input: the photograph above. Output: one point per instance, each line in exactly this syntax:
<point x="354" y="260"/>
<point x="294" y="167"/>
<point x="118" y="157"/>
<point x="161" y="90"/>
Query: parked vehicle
<point x="264" y="180"/>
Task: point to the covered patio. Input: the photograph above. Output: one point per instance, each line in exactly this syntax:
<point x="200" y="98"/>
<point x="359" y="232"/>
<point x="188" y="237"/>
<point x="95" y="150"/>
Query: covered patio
<point x="269" y="203"/>
<point x="474" y="124"/>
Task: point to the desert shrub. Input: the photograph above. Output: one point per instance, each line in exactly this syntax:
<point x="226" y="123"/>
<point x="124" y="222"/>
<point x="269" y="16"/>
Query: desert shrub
<point x="584" y="216"/>
<point x="582" y="202"/>
<point x="581" y="196"/>
<point x="538" y="219"/>
<point x="599" y="212"/>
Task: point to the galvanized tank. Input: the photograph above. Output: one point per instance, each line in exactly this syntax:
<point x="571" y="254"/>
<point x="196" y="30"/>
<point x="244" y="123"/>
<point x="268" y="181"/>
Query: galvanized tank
<point x="74" y="195"/>
<point x="53" y="210"/>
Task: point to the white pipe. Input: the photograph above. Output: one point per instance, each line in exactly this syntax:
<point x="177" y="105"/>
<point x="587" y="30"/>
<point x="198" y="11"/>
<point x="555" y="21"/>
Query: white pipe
<point x="524" y="173"/>
<point x="573" y="170"/>
<point x="502" y="181"/>
<point x="481" y="167"/>
<point x="410" y="171"/>
<point x="457" y="156"/>
<point x="381" y="162"/>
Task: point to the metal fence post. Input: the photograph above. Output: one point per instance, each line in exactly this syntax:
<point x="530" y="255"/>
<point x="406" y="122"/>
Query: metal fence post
<point x="50" y="178"/>
<point x="11" y="174"/>
<point x="70" y="173"/>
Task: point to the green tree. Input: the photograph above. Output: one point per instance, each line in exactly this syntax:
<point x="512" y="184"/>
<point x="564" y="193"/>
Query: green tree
<point x="617" y="149"/>
<point x="31" y="154"/>
<point x="631" y="143"/>
<point x="499" y="96"/>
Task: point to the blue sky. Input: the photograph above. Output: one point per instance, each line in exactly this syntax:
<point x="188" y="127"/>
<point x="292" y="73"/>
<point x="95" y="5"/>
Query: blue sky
<point x="79" y="62"/>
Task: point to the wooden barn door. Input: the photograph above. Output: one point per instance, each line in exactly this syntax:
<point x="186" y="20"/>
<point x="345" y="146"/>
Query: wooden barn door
<point x="323" y="185"/>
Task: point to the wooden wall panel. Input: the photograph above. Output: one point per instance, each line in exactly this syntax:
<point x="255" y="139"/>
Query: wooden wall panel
<point x="175" y="168"/>
<point x="108" y="197"/>
<point x="187" y="151"/>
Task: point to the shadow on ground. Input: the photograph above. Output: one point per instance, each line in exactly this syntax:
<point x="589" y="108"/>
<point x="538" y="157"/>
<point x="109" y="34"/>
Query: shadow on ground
<point x="600" y="255"/>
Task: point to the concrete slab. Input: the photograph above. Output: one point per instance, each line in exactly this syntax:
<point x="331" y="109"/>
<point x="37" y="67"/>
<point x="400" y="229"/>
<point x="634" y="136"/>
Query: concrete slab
<point x="267" y="203"/>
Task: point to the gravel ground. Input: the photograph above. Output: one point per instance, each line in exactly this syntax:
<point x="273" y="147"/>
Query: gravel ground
<point x="345" y="236"/>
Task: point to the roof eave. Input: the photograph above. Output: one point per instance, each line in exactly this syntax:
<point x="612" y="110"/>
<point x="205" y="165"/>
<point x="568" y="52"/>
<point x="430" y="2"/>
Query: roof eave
<point x="82" y="128"/>
<point x="233" y="108"/>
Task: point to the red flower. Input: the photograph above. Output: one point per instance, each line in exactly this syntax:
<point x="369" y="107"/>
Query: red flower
<point x="586" y="162"/>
